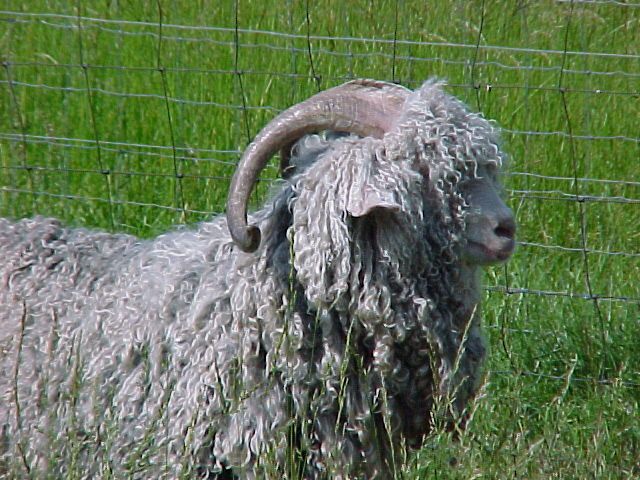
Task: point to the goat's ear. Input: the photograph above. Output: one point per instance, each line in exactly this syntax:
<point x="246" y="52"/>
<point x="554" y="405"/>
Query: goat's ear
<point x="364" y="199"/>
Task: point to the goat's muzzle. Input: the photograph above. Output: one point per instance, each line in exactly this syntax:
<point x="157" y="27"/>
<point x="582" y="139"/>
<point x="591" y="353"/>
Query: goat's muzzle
<point x="490" y="227"/>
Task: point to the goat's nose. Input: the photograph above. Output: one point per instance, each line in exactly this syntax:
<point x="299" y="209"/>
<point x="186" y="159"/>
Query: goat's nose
<point x="506" y="227"/>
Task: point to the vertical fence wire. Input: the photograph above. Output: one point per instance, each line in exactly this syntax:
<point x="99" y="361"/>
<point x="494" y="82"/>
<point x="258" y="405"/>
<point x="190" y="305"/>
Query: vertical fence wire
<point x="106" y="173"/>
<point x="23" y="130"/>
<point x="178" y="190"/>
<point x="578" y="196"/>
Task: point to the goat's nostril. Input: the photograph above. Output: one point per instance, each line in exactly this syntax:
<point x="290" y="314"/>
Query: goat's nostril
<point x="506" y="228"/>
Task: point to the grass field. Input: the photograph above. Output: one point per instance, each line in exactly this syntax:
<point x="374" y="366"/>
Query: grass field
<point x="128" y="116"/>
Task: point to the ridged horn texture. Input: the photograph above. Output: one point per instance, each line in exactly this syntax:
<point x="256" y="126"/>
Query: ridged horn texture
<point x="368" y="108"/>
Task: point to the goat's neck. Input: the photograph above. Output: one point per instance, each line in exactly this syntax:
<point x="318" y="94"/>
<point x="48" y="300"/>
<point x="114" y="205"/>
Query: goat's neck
<point x="470" y="292"/>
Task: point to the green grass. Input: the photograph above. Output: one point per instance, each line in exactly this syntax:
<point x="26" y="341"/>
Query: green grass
<point x="154" y="141"/>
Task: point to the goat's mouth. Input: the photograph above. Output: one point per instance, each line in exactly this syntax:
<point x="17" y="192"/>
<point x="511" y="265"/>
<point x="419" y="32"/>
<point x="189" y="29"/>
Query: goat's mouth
<point x="487" y="253"/>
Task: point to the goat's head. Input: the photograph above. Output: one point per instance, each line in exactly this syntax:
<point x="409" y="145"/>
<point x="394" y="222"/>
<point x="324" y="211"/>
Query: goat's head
<point x="446" y="143"/>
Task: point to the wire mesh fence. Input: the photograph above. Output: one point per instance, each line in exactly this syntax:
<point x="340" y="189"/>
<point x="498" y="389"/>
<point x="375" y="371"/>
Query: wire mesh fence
<point x="133" y="118"/>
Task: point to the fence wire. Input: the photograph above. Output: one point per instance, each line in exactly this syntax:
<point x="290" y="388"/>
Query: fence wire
<point x="158" y="160"/>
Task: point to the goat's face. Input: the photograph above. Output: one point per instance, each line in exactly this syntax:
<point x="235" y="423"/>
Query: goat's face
<point x="456" y="153"/>
<point x="490" y="227"/>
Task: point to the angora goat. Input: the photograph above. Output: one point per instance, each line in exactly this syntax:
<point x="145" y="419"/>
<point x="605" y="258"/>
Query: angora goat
<point x="316" y="344"/>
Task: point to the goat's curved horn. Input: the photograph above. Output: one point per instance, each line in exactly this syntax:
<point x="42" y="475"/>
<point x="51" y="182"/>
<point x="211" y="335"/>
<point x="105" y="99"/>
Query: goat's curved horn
<point x="364" y="107"/>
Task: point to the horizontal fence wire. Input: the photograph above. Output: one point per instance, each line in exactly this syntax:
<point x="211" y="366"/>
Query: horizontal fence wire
<point x="124" y="162"/>
<point x="73" y="20"/>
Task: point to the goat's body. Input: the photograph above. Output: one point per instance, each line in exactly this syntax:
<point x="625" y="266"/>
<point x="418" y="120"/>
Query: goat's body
<point x="181" y="337"/>
<point x="146" y="337"/>
<point x="342" y="339"/>
<point x="107" y="314"/>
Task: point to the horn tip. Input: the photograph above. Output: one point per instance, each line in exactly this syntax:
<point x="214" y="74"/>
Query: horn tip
<point x="249" y="239"/>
